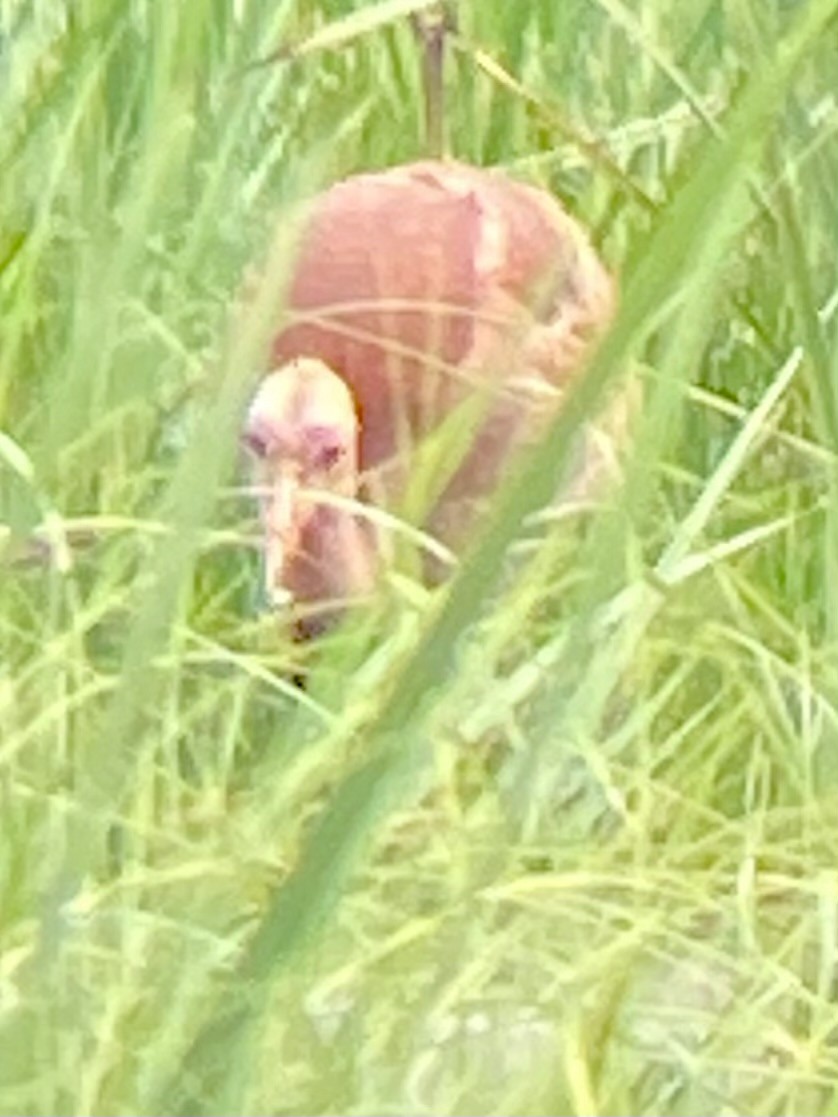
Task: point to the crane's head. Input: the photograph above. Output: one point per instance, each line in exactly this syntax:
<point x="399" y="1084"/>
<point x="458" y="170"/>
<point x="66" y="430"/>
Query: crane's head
<point x="302" y="428"/>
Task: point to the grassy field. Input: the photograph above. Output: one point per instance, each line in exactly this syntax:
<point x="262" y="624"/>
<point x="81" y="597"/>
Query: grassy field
<point x="558" y="843"/>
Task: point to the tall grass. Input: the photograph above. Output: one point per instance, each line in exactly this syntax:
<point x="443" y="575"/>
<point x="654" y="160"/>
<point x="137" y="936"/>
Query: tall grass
<point x="553" y="842"/>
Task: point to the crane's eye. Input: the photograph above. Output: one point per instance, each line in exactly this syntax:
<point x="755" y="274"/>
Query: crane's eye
<point x="328" y="455"/>
<point x="326" y="447"/>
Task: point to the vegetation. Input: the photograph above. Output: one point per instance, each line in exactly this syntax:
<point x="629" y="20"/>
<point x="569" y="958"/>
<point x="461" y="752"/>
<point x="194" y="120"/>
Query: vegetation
<point x="560" y="841"/>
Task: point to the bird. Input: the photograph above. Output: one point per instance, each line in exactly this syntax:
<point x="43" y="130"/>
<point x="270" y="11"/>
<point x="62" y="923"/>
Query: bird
<point x="431" y="303"/>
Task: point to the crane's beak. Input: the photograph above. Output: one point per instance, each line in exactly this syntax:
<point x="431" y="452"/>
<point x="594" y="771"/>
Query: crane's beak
<point x="281" y="523"/>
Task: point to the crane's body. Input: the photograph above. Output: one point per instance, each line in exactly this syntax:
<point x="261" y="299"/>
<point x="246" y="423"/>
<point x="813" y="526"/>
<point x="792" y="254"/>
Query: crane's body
<point x="415" y="290"/>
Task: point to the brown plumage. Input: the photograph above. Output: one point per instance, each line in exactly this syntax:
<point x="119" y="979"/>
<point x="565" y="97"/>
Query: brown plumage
<point x="415" y="291"/>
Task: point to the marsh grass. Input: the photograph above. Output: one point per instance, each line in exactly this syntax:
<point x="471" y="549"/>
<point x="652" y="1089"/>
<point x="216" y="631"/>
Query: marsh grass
<point x="558" y="839"/>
